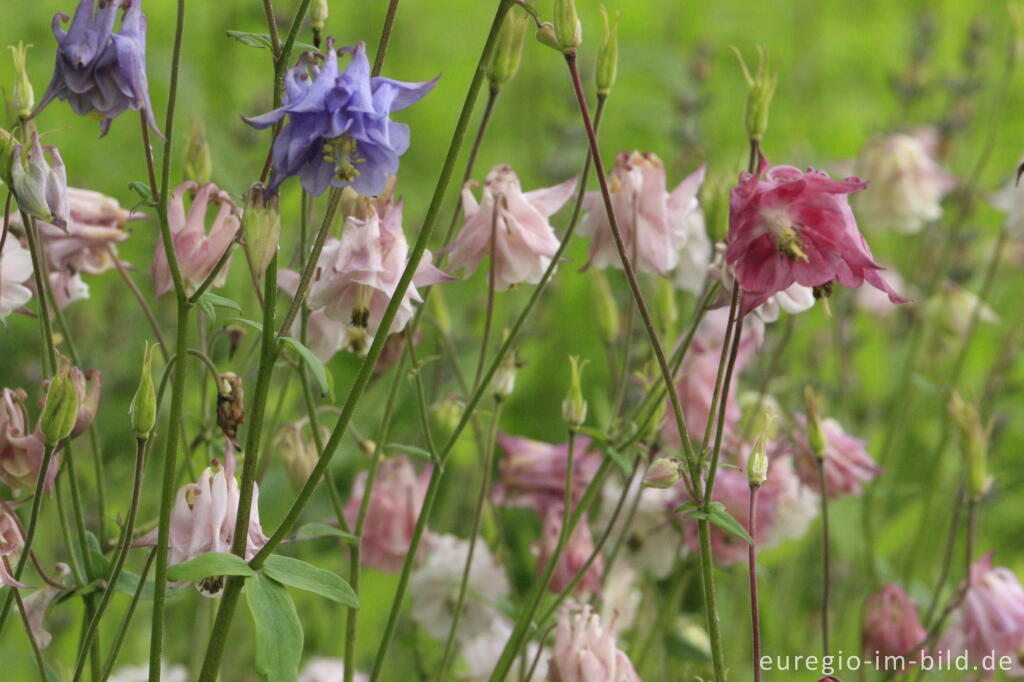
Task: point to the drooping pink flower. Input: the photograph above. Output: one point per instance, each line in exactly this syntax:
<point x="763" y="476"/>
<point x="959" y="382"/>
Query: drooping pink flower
<point x="12" y="540"/>
<point x="890" y="624"/>
<point x="324" y="336"/>
<point x="395" y="505"/>
<point x="21" y="449"/>
<point x="532" y="474"/>
<point x="15" y="273"/>
<point x="524" y="241"/>
<point x="578" y="548"/>
<point x="990" y="619"/>
<point x="204" y="516"/>
<point x="197" y="250"/>
<point x="794" y="299"/>
<point x="787" y="226"/>
<point x="847" y="463"/>
<point x="359" y="273"/>
<point x="585" y="651"/>
<point x="656" y="226"/>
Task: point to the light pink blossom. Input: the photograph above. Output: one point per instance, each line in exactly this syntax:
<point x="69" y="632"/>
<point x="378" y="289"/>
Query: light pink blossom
<point x="586" y="651"/>
<point x="532" y="474"/>
<point x="578" y="548"/>
<point x="21" y="449"/>
<point x="787" y="226"/>
<point x="395" y="505"/>
<point x="847" y="463"/>
<point x="524" y="241"/>
<point x="12" y="540"/>
<point x="38" y="602"/>
<point x="890" y="623"/>
<point x="197" y="250"/>
<point x="324" y="336"/>
<point x="15" y="273"/>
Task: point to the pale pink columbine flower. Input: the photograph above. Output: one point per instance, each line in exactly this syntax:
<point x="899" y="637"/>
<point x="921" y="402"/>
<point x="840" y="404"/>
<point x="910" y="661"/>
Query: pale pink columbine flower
<point x="38" y="602"/>
<point x="358" y="274"/>
<point x="1010" y="200"/>
<point x="578" y="548"/>
<point x="532" y="474"/>
<point x="328" y="670"/>
<point x="524" y="241"/>
<point x="197" y="250"/>
<point x="395" y="505"/>
<point x="847" y="463"/>
<point x="204" y="516"/>
<point x="12" y="540"/>
<point x="324" y="336"/>
<point x="15" y="273"/>
<point x="586" y="651"/>
<point x="990" y="619"/>
<point x="890" y="624"/>
<point x="787" y="226"/>
<point x="21" y="449"/>
<point x="907" y="183"/>
<point x="656" y="226"/>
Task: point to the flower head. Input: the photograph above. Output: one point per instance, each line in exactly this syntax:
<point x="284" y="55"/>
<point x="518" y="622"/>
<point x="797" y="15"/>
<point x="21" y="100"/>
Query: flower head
<point x="847" y="463"/>
<point x="787" y="226"/>
<point x="660" y="230"/>
<point x="12" y="540"/>
<point x="100" y="72"/>
<point x="196" y="250"/>
<point x="586" y="651"/>
<point x="339" y="129"/>
<point x="891" y="625"/>
<point x="21" y="449"/>
<point x="15" y="272"/>
<point x="324" y="336"/>
<point x="533" y="472"/>
<point x="517" y="223"/>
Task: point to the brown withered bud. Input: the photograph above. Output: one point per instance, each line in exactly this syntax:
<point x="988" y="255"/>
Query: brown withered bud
<point x="230" y="404"/>
<point x="235" y="336"/>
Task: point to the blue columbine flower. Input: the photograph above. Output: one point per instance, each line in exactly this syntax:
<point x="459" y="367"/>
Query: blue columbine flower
<point x="99" y="71"/>
<point x="339" y="130"/>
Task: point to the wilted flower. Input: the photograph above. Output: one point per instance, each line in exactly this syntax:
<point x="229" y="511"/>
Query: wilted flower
<point x="532" y="474"/>
<point x="518" y="224"/>
<point x="787" y="226"/>
<point x="907" y="185"/>
<point x="339" y="130"/>
<point x="578" y="548"/>
<point x="15" y="271"/>
<point x="434" y="587"/>
<point x="395" y="505"/>
<point x="21" y="451"/>
<point x="890" y="623"/>
<point x="12" y="540"/>
<point x="660" y="230"/>
<point x="100" y="72"/>
<point x="40" y="185"/>
<point x="204" y="516"/>
<point x="197" y="252"/>
<point x="482" y="650"/>
<point x="990" y="619"/>
<point x="359" y="273"/>
<point x="847" y="464"/>
<point x="585" y="651"/>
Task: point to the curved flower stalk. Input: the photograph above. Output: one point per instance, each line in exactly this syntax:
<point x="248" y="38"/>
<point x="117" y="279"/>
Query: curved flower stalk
<point x="664" y="230"/>
<point x="524" y="241"/>
<point x="99" y="72"/>
<point x="21" y="449"/>
<point x="197" y="250"/>
<point x="339" y="131"/>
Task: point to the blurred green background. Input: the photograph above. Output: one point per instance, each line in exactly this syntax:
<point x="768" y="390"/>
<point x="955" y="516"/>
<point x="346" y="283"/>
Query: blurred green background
<point x="680" y="94"/>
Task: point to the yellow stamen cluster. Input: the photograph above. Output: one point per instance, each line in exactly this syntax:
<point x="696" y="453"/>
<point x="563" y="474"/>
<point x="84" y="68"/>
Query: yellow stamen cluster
<point x="343" y="152"/>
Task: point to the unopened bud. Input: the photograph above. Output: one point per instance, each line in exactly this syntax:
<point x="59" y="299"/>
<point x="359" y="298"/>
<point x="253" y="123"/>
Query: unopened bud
<point x="663" y="473"/>
<point x="608" y="54"/>
<point x="87" y="388"/>
<point x="568" y="29"/>
<point x="319" y="15"/>
<point x="230" y="404"/>
<point x="198" y="167"/>
<point x="23" y="99"/>
<point x="504" y="380"/>
<point x="757" y="465"/>
<point x="297" y="452"/>
<point x="142" y="410"/>
<point x="509" y="50"/>
<point x="61" y="407"/>
<point x="262" y="222"/>
<point x="574" y="407"/>
<point x="7" y="145"/>
<point x="760" y="90"/>
<point x="40" y="186"/>
<point x="974" y="439"/>
<point x="816" y="438"/>
<point x="546" y="36"/>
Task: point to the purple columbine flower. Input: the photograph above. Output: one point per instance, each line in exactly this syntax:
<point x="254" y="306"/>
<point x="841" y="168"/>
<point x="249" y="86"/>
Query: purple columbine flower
<point x="339" y="130"/>
<point x="99" y="71"/>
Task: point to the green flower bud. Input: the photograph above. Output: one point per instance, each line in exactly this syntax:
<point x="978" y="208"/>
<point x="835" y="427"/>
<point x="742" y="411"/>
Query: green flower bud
<point x="60" y="411"/>
<point x="504" y="380"/>
<point x="757" y="465"/>
<point x="297" y="452"/>
<point x="663" y="473"/>
<point x="445" y="416"/>
<point x="760" y="90"/>
<point x="568" y="29"/>
<point x="23" y="98"/>
<point x="7" y="145"/>
<point x="319" y="15"/>
<point x="142" y="410"/>
<point x="198" y="167"/>
<point x="546" y="36"/>
<point x="574" y="407"/>
<point x="816" y="438"/>
<point x="509" y="50"/>
<point x="608" y="54"/>
<point x="262" y="223"/>
<point x="974" y="441"/>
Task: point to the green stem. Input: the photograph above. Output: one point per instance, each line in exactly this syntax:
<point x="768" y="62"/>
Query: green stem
<point x="40" y="663"/>
<point x="122" y="632"/>
<point x="385" y="37"/>
<point x="826" y="558"/>
<point x="32" y="236"/>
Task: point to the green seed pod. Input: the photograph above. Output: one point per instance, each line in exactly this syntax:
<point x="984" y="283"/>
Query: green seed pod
<point x="198" y="167"/>
<point x="509" y="51"/>
<point x="574" y="407"/>
<point x="974" y="441"/>
<point x="319" y="15"/>
<point x="22" y="96"/>
<point x="608" y="54"/>
<point x="142" y="410"/>
<point x="663" y="473"/>
<point x="60" y="411"/>
<point x="568" y="30"/>
<point x="816" y="438"/>
<point x="760" y="90"/>
<point x="262" y="223"/>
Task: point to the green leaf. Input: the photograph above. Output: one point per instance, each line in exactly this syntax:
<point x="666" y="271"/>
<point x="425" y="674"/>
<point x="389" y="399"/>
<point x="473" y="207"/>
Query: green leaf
<point x="315" y="366"/>
<point x="248" y="323"/>
<point x="208" y="565"/>
<point x="207" y="307"/>
<point x="315" y="530"/>
<point x="685" y="507"/>
<point x="410" y="450"/>
<point x="308" y="577"/>
<point x="262" y="40"/>
<point x="723" y="520"/>
<point x="594" y="433"/>
<point x="278" y="630"/>
<point x="141" y="188"/>
<point x="620" y="459"/>
<point x="222" y="302"/>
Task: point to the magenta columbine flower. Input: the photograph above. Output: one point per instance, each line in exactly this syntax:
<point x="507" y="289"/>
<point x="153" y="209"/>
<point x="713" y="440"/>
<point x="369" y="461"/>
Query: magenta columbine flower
<point x="532" y="474"/>
<point x="658" y="227"/>
<point x="891" y="625"/>
<point x="197" y="250"/>
<point x="21" y="449"/>
<point x="586" y="651"/>
<point x="339" y="129"/>
<point x="787" y="226"/>
<point x="524" y="241"/>
<point x="99" y="72"/>
<point x="15" y="273"/>
<point x="578" y="549"/>
<point x="847" y="463"/>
